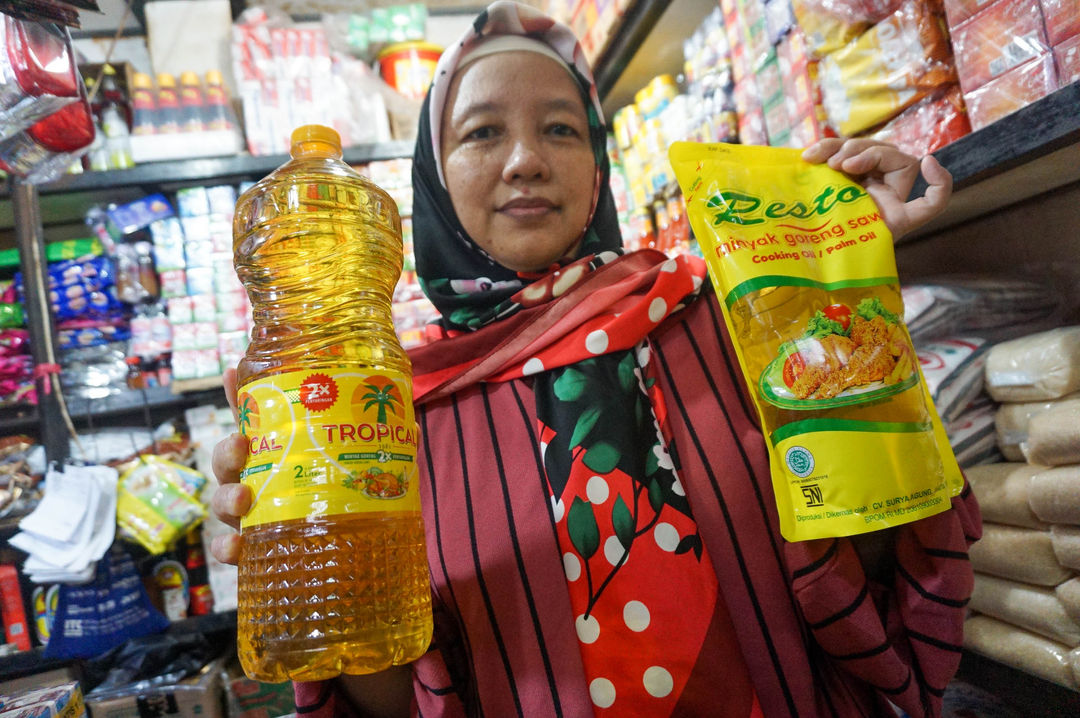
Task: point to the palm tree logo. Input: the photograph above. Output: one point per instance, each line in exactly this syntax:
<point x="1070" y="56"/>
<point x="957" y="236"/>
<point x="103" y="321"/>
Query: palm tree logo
<point x="385" y="397"/>
<point x="248" y="414"/>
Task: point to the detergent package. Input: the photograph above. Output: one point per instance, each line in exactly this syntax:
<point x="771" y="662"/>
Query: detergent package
<point x="804" y="269"/>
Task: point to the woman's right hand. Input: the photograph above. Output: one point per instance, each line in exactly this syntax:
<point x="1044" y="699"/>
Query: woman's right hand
<point x="232" y="499"/>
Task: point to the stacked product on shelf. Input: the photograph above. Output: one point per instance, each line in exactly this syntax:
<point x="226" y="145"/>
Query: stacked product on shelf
<point x="287" y="76"/>
<point x="412" y="311"/>
<point x="181" y="117"/>
<point x="777" y="93"/>
<point x="210" y="313"/>
<point x="16" y="364"/>
<point x="1006" y="52"/>
<point x="1026" y="604"/>
<point x="594" y="22"/>
<point x="91" y="320"/>
<point x="954" y="322"/>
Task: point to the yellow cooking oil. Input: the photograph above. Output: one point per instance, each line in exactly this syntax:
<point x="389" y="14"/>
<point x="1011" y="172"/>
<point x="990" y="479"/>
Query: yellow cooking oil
<point x="333" y="572"/>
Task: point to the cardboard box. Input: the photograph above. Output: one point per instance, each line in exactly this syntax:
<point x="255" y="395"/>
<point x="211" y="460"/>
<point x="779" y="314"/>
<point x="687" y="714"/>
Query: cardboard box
<point x="62" y="701"/>
<point x="200" y="696"/>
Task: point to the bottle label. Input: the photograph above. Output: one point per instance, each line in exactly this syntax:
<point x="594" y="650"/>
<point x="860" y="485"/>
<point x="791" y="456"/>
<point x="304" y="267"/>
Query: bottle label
<point x="328" y="442"/>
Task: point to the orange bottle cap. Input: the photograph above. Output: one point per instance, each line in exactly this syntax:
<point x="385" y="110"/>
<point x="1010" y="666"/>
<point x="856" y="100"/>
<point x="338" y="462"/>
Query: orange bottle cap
<point x="315" y="141"/>
<point x="213" y="77"/>
<point x="164" y="79"/>
<point x="142" y="81"/>
<point x="189" y="78"/>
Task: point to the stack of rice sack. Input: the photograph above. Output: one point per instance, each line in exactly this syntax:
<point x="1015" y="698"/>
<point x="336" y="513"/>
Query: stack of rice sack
<point x="1026" y="604"/>
<point x="954" y="322"/>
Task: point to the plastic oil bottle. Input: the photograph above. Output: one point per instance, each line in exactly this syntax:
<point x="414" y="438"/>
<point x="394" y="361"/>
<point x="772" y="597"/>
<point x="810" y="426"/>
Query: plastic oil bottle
<point x="333" y="572"/>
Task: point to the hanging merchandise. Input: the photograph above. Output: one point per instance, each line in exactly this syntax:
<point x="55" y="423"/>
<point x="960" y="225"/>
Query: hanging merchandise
<point x="37" y="73"/>
<point x="158" y="502"/>
<point x="46" y="149"/>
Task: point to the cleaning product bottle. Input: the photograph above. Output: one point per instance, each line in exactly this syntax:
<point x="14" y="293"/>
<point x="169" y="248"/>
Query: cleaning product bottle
<point x="333" y="572"/>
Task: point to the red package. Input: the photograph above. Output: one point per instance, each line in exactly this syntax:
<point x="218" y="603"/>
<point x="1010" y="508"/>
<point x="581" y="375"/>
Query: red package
<point x="16" y="629"/>
<point x="929" y="124"/>
<point x="1067" y="56"/>
<point x="1000" y="37"/>
<point x="959" y="10"/>
<point x="1015" y="89"/>
<point x="1062" y="19"/>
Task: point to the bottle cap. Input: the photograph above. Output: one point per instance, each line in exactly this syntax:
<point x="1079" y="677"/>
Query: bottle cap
<point x="315" y="141"/>
<point x="189" y="78"/>
<point x="164" y="79"/>
<point x="108" y="69"/>
<point x="142" y="81"/>
<point x="213" y="77"/>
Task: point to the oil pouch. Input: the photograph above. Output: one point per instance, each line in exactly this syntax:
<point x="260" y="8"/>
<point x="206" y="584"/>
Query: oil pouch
<point x="804" y="268"/>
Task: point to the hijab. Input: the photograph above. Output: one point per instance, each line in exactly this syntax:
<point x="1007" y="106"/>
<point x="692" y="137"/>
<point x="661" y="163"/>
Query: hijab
<point x="467" y="286"/>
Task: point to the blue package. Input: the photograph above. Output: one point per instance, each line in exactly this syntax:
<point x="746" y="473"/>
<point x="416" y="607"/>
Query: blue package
<point x="129" y="221"/>
<point x="112" y="609"/>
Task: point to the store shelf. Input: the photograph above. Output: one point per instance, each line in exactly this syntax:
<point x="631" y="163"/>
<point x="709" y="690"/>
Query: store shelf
<point x="138" y="399"/>
<point x="14" y="419"/>
<point x="1032" y="151"/>
<point x="206" y="168"/>
<point x="34" y="661"/>
<point x="1026" y="694"/>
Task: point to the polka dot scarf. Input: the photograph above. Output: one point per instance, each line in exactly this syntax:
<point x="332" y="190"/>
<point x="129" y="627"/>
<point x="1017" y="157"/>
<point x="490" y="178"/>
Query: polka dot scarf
<point x="630" y="547"/>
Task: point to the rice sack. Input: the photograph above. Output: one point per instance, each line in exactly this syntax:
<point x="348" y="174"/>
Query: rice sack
<point x="805" y="270"/>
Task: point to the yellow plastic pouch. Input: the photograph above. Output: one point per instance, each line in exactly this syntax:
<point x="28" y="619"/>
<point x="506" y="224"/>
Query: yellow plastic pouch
<point x="804" y="268"/>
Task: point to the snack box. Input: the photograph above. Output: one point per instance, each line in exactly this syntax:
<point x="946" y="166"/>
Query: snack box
<point x="62" y="701"/>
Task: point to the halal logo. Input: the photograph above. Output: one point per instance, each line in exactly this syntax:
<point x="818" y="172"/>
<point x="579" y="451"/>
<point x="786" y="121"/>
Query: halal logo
<point x="318" y="392"/>
<point x="799" y="461"/>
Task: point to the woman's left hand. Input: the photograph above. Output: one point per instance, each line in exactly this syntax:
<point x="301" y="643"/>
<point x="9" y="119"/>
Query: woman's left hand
<point x="888" y="175"/>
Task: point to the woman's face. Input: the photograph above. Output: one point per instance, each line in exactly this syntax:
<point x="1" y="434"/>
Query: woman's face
<point x="517" y="159"/>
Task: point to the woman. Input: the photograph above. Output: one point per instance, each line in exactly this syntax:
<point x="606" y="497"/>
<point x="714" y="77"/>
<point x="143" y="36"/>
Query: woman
<point x="601" y="531"/>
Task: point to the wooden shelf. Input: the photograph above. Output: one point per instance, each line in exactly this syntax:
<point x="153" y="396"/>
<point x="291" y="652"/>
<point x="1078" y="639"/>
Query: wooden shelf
<point x="1032" y="151"/>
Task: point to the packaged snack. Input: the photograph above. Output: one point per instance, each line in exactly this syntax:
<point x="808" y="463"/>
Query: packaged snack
<point x="959" y="10"/>
<point x="929" y="124"/>
<point x="804" y="268"/>
<point x="1067" y="57"/>
<point x="1005" y="34"/>
<point x="1062" y="19"/>
<point x="158" y="502"/>
<point x="826" y="30"/>
<point x="888" y="68"/>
